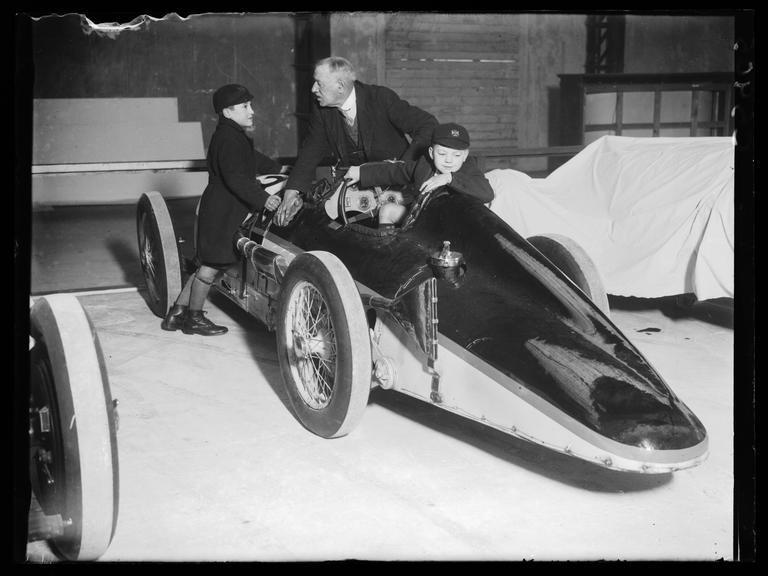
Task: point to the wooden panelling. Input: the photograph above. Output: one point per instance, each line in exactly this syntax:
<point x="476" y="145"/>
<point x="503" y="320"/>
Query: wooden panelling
<point x="465" y="103"/>
<point x="455" y="52"/>
<point x="465" y="36"/>
<point x="467" y="45"/>
<point x="454" y="66"/>
<point x="462" y="68"/>
<point x="451" y="23"/>
<point x="503" y="86"/>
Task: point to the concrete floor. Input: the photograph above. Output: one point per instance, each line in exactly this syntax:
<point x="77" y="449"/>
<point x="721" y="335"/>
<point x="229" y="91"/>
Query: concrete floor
<point x="214" y="467"/>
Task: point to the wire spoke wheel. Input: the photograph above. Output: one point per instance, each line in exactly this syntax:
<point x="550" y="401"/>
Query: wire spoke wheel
<point x="150" y="254"/>
<point x="158" y="252"/>
<point x="323" y="344"/>
<point x="313" y="350"/>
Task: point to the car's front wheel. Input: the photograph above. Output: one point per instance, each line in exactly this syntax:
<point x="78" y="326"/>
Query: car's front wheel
<point x="323" y="344"/>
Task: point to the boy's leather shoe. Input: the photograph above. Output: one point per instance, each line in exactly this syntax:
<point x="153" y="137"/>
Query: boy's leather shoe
<point x="196" y="323"/>
<point x="175" y="318"/>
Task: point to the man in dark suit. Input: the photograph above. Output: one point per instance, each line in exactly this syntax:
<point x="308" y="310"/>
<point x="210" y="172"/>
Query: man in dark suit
<point x="353" y="123"/>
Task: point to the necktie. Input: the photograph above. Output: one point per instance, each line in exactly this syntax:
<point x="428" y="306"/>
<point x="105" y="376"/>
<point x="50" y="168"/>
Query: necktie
<point x="351" y="125"/>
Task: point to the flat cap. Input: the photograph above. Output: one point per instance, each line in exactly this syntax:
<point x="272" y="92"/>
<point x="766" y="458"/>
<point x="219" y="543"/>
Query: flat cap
<point x="229" y="95"/>
<point x="451" y="135"/>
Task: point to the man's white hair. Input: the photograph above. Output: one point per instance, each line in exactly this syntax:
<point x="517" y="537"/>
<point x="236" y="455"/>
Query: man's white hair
<point x="340" y="66"/>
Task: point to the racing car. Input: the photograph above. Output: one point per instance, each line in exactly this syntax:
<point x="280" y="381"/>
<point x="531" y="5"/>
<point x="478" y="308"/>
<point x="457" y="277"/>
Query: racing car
<point x="452" y="307"/>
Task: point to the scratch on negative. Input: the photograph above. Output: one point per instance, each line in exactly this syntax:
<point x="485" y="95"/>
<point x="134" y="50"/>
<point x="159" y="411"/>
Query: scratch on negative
<point x="113" y="29"/>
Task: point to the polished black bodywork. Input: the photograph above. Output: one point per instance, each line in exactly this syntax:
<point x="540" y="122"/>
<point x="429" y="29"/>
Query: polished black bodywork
<point x="512" y="308"/>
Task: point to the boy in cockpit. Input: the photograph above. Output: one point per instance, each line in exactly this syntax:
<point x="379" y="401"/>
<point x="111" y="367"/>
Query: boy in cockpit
<point x="447" y="163"/>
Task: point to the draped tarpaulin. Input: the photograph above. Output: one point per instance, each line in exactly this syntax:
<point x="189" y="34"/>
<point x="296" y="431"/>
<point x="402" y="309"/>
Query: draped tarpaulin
<point x="655" y="214"/>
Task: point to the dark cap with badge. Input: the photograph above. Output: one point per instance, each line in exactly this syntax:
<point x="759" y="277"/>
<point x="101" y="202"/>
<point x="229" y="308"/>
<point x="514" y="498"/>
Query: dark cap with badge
<point x="451" y="136"/>
<point x="229" y="95"/>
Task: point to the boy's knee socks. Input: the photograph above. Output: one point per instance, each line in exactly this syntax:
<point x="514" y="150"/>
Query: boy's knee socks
<point x="199" y="293"/>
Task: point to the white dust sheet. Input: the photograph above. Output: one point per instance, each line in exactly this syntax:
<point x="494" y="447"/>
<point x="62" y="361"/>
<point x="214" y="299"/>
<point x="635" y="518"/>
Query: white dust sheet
<point x="656" y="215"/>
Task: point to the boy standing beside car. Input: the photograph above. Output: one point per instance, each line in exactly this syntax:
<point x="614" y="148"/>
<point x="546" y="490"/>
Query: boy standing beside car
<point x="232" y="192"/>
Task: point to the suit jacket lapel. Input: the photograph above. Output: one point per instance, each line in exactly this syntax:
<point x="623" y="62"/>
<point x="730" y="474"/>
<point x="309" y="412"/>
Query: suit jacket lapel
<point x="364" y="118"/>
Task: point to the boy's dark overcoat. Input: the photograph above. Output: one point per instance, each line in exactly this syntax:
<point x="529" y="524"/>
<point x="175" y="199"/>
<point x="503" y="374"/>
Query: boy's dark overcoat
<point x="232" y="191"/>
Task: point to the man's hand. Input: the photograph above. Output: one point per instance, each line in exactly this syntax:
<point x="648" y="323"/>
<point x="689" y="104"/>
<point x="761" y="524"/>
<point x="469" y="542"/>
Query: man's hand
<point x="436" y="181"/>
<point x="288" y="208"/>
<point x="272" y="203"/>
<point x="353" y="175"/>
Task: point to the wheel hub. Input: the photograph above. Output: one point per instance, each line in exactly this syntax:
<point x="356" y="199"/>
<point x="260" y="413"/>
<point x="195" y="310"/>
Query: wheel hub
<point x="312" y="345"/>
<point x="146" y="255"/>
<point x="148" y="258"/>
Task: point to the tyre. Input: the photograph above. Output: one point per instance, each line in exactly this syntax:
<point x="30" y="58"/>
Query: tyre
<point x="158" y="252"/>
<point x="323" y="344"/>
<point x="575" y="263"/>
<point x="73" y="442"/>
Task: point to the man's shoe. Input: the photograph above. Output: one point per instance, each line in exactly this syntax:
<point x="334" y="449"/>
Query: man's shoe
<point x="196" y="323"/>
<point x="175" y="318"/>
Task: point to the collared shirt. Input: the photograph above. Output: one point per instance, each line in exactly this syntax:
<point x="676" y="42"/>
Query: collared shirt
<point x="349" y="107"/>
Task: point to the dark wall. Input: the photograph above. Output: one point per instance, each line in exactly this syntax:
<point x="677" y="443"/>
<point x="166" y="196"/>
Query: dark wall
<point x="189" y="58"/>
<point x="174" y="57"/>
<point x="680" y="43"/>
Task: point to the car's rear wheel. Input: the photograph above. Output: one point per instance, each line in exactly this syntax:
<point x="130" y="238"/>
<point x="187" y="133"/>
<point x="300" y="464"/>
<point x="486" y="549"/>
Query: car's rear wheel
<point x="575" y="263"/>
<point x="73" y="443"/>
<point x="158" y="252"/>
<point x="323" y="344"/>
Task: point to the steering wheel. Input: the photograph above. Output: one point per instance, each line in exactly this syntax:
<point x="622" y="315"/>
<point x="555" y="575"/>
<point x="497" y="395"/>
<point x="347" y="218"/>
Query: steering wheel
<point x="342" y="202"/>
<point x="347" y="198"/>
